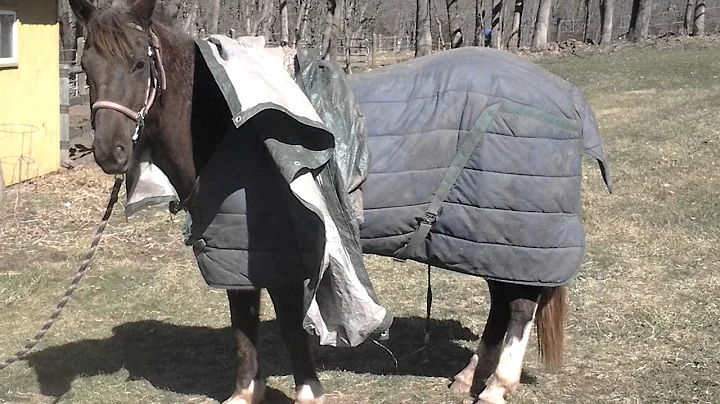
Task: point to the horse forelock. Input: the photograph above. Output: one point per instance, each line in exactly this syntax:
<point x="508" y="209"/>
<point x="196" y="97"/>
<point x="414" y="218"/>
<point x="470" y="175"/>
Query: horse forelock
<point x="110" y="33"/>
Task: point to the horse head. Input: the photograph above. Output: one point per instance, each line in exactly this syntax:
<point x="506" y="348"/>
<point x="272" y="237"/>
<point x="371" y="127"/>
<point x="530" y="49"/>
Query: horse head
<point x="124" y="71"/>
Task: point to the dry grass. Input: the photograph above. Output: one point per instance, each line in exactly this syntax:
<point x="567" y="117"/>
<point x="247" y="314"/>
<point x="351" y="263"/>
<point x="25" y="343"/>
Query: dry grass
<point x="643" y="323"/>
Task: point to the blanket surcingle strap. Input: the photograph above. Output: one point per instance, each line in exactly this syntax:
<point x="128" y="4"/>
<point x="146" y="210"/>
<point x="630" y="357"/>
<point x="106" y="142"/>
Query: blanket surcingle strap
<point x="451" y="175"/>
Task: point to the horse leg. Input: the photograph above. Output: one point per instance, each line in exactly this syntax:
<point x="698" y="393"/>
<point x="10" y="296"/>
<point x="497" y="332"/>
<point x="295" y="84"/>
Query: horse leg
<point x="289" y="310"/>
<point x="245" y="318"/>
<point x="523" y="302"/>
<point x="487" y="355"/>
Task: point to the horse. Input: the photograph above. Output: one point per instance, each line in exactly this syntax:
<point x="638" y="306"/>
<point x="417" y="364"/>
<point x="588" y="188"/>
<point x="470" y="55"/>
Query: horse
<point x="143" y="78"/>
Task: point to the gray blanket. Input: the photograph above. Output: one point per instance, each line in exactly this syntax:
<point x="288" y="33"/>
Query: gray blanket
<point x="476" y="160"/>
<point x="272" y="206"/>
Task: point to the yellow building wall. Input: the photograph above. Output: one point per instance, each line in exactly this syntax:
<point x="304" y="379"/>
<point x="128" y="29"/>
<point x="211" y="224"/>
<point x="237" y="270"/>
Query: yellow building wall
<point x="30" y="94"/>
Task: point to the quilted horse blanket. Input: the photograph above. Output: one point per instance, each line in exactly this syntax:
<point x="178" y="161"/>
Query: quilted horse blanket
<point x="476" y="160"/>
<point x="274" y="204"/>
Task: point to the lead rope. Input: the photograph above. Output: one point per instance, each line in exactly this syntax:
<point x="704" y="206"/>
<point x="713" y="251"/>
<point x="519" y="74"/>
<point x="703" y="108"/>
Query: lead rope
<point x="22" y="353"/>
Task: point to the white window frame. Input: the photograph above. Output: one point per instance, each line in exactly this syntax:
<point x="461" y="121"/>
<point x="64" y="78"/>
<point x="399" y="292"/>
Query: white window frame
<point x="12" y="60"/>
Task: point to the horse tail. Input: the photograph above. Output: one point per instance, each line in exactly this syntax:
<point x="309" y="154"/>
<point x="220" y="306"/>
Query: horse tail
<point x="550" y="323"/>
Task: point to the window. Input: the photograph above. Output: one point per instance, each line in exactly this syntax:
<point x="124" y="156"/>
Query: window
<point x="8" y="37"/>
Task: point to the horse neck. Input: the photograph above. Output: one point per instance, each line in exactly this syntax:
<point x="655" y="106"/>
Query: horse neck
<point x="169" y="126"/>
<point x="193" y="115"/>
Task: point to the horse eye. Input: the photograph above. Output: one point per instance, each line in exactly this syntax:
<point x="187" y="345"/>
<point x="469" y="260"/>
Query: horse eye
<point x="140" y="65"/>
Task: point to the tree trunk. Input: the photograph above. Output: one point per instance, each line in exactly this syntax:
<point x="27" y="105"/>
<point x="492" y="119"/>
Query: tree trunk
<point x="79" y="31"/>
<point x="337" y="31"/>
<point x="247" y="12"/>
<point x="347" y="33"/>
<point x="479" y="23"/>
<point x="441" y="37"/>
<point x="189" y="26"/>
<point x="540" y="32"/>
<point x="441" y="40"/>
<point x="639" y="20"/>
<point x="454" y="24"/>
<point x="301" y="22"/>
<point x="214" y="17"/>
<point x="423" y="36"/>
<point x="284" y="23"/>
<point x="514" y="40"/>
<point x="260" y="25"/>
<point x="607" y="13"/>
<point x="587" y="21"/>
<point x="66" y="19"/>
<point x="689" y="17"/>
<point x="496" y="24"/>
<point x="699" y="25"/>
<point x="328" y="31"/>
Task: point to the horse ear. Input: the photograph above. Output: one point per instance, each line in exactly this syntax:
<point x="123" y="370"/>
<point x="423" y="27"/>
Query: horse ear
<point x="142" y="10"/>
<point x="83" y="10"/>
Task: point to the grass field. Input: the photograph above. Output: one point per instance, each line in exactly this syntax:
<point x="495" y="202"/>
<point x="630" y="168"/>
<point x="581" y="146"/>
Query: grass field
<point x="643" y="321"/>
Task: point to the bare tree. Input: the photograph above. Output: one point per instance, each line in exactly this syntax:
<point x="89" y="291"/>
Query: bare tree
<point x="455" y="23"/>
<point x="263" y="14"/>
<point x="639" y="20"/>
<point x="284" y="23"/>
<point x="441" y="38"/>
<point x="496" y="24"/>
<point x="301" y="22"/>
<point x="688" y="24"/>
<point x="479" y="23"/>
<point x="514" y="40"/>
<point x="189" y="25"/>
<point x="358" y="18"/>
<point x="587" y="21"/>
<point x="607" y="13"/>
<point x="699" y="25"/>
<point x="66" y="19"/>
<point x="214" y="19"/>
<point x="331" y="32"/>
<point x="423" y="36"/>
<point x="540" y="33"/>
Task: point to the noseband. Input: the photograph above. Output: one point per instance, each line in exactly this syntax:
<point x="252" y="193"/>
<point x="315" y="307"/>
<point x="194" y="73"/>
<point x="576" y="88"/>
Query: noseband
<point x="156" y="81"/>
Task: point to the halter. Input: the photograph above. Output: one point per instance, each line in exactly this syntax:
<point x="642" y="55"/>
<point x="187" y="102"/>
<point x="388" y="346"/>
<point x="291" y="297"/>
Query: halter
<point x="156" y="80"/>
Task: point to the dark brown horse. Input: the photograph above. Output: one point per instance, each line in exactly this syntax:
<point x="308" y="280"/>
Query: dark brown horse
<point x="144" y="91"/>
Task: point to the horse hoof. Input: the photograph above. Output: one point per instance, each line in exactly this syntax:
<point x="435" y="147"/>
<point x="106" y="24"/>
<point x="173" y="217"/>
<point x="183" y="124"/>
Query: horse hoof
<point x="459" y="388"/>
<point x="489" y="400"/>
<point x="252" y="395"/>
<point x="319" y="400"/>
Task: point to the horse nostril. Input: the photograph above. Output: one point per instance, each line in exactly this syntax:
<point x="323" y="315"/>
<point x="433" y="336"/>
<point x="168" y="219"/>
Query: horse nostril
<point x="121" y="155"/>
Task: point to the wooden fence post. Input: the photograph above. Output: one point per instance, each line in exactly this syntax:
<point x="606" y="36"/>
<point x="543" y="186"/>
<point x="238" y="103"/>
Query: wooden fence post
<point x="233" y="34"/>
<point x="64" y="113"/>
<point x="373" y="50"/>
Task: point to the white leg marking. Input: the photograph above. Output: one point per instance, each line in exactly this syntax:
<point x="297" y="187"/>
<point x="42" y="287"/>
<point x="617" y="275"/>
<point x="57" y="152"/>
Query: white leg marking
<point x="463" y="380"/>
<point x="506" y="377"/>
<point x="250" y="395"/>
<point x="305" y="396"/>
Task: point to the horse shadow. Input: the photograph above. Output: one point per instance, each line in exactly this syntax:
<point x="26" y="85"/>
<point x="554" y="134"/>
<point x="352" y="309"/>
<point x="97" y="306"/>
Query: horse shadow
<point x="194" y="360"/>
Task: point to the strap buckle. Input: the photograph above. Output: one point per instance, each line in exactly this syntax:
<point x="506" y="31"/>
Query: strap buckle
<point x="430" y="217"/>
